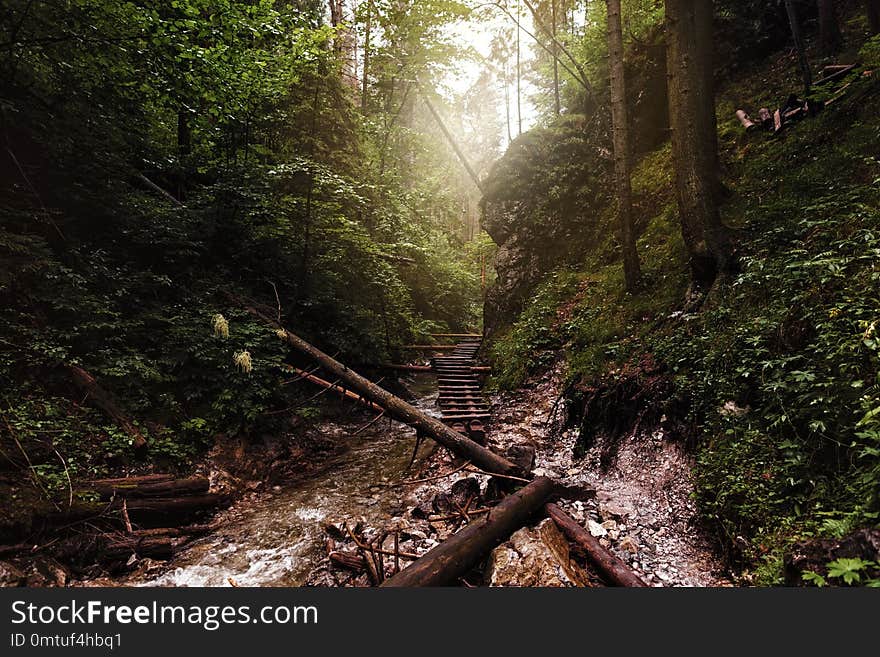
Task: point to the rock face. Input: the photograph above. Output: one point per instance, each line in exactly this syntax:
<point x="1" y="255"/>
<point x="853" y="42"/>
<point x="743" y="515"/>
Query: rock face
<point x="546" y="199"/>
<point x="540" y="209"/>
<point x="535" y="557"/>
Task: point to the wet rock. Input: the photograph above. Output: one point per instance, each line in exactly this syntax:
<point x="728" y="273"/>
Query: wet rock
<point x="465" y="491"/>
<point x="422" y="510"/>
<point x="522" y="455"/>
<point x="336" y="530"/>
<point x="10" y="575"/>
<point x="442" y="504"/>
<point x="47" y="572"/>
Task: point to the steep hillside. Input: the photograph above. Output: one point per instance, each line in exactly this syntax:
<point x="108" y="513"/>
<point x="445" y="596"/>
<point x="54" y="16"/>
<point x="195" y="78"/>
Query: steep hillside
<point x="774" y="377"/>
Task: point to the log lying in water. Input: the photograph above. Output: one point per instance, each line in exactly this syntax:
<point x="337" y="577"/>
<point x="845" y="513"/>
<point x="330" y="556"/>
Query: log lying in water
<point x="454" y="557"/>
<point x="138" y="487"/>
<point x="155" y="547"/>
<point x="396" y="407"/>
<point x="612" y="568"/>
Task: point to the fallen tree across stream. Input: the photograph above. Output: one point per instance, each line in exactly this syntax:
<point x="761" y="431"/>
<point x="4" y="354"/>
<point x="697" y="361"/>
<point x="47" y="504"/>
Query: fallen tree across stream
<point x="395" y="407"/>
<point x="458" y="554"/>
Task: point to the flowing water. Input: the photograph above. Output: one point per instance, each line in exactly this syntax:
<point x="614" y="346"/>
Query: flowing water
<point x="277" y="538"/>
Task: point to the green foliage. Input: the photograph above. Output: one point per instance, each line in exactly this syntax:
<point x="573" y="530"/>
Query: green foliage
<point x="289" y="195"/>
<point x="780" y="368"/>
<point x="849" y="570"/>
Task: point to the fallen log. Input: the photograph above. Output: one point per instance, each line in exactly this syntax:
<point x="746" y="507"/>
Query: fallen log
<point x="456" y="335"/>
<point x="396" y="407"/>
<point x="138" y="488"/>
<point x="155" y="547"/>
<point x="457" y="555"/>
<point x="137" y="479"/>
<point x="835" y="71"/>
<point x="746" y="121"/>
<point x="105" y="402"/>
<point x="612" y="568"/>
<point x="348" y="560"/>
<point x="138" y="509"/>
<point x="339" y="390"/>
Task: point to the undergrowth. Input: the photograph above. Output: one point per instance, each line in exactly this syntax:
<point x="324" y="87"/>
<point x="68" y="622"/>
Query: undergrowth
<point x="780" y="367"/>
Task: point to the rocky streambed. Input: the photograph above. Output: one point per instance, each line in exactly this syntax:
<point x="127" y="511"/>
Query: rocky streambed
<point x="313" y="530"/>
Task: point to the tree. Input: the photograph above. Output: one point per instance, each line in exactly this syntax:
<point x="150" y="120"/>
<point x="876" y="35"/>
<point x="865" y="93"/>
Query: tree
<point x="799" y="45"/>
<point x="830" y="37"/>
<point x="620" y="130"/>
<point x="695" y="137"/>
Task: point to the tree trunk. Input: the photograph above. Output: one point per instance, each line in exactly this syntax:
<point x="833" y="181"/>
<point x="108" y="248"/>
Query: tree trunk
<point x="631" y="269"/>
<point x="458" y="554"/>
<point x="104" y="401"/>
<point x="518" y="73"/>
<point x="184" y="149"/>
<point x="695" y="137"/>
<point x="873" y="8"/>
<point x="366" y="71"/>
<point x="799" y="45"/>
<point x="830" y="37"/>
<point x="612" y="568"/>
<point x="557" y="103"/>
<point x="398" y="408"/>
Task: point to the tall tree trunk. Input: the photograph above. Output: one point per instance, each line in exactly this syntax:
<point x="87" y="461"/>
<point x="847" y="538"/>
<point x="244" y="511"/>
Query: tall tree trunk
<point x="799" y="45"/>
<point x="366" y="71"/>
<point x="695" y="137"/>
<point x="345" y="43"/>
<point x="631" y="269"/>
<point x="829" y="30"/>
<point x="518" y="72"/>
<point x="184" y="149"/>
<point x="873" y="7"/>
<point x="507" y="101"/>
<point x="558" y="105"/>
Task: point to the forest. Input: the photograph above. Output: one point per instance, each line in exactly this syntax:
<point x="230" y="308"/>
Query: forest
<point x="569" y="293"/>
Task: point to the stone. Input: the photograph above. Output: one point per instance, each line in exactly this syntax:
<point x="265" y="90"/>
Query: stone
<point x="523" y="455"/>
<point x="596" y="529"/>
<point x="10" y="575"/>
<point x="629" y="544"/>
<point x="611" y="511"/>
<point x="525" y="560"/>
<point x="464" y="491"/>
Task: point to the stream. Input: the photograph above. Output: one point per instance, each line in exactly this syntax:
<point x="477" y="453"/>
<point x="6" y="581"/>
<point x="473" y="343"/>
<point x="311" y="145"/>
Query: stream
<point x="276" y="538"/>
